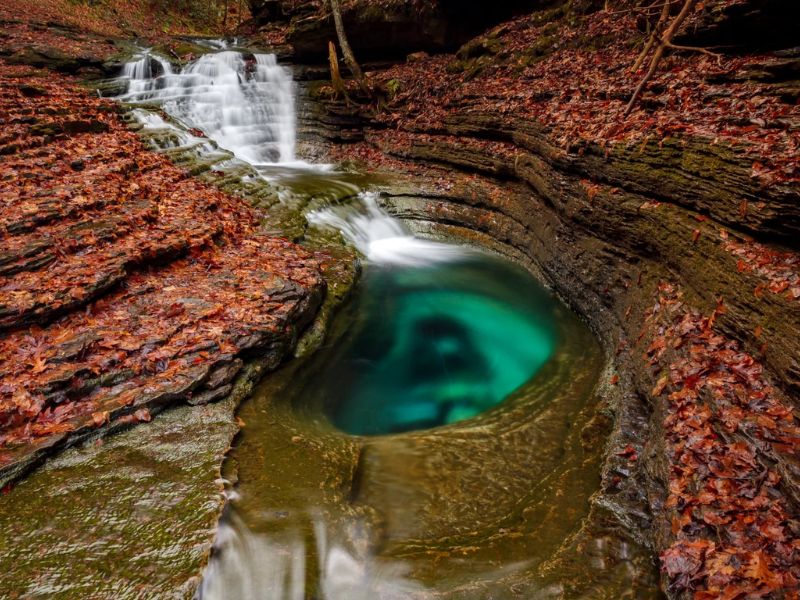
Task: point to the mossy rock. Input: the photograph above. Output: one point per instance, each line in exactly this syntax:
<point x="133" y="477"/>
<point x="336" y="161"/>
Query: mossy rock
<point x="182" y="49"/>
<point x="482" y="46"/>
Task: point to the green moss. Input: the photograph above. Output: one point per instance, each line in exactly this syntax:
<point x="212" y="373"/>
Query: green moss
<point x="393" y="86"/>
<point x="541" y="17"/>
<point x="142" y="505"/>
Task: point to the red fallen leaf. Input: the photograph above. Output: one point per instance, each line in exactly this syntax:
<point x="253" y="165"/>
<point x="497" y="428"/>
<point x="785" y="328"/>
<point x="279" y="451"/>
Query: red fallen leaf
<point x="39" y="365"/>
<point x="773" y="531"/>
<point x="713" y="517"/>
<point x="614" y="380"/>
<point x="766" y="422"/>
<point x="685" y="558"/>
<point x="743" y="209"/>
<point x="695" y="236"/>
<point x="100" y="418"/>
<point x="691" y="381"/>
<point x="681" y="521"/>
<point x="759" y="291"/>
<point x="776" y="287"/>
<point x="628" y="452"/>
<point x="658" y="343"/>
<point x="758" y="331"/>
<point x="143" y="415"/>
<point x="591" y="189"/>
<point x="6" y="489"/>
<point x="759" y="568"/>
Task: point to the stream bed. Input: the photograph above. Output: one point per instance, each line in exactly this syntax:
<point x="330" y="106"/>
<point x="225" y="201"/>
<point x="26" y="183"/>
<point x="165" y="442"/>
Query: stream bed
<point x="448" y="437"/>
<point x="444" y="443"/>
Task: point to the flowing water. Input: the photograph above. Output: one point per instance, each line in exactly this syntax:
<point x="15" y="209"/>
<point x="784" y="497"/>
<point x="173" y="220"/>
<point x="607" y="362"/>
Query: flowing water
<point x="446" y="440"/>
<point x="245" y="104"/>
<point x="444" y="333"/>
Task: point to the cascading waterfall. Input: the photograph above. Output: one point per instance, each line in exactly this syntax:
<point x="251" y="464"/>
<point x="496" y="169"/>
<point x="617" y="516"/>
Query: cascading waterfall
<point x="144" y="69"/>
<point x="381" y="238"/>
<point x="245" y="105"/>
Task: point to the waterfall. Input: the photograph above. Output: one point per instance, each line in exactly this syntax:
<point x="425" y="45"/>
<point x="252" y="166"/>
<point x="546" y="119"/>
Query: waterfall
<point x="244" y="103"/>
<point x="251" y="566"/>
<point x="382" y="238"/>
<point x="145" y="68"/>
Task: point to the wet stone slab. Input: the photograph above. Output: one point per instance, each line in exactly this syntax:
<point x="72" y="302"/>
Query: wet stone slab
<point x="131" y="516"/>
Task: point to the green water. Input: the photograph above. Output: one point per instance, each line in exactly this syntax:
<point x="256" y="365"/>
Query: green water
<point x="478" y="395"/>
<point x="436" y="344"/>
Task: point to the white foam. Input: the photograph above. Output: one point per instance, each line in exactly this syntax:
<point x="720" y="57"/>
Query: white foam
<point x="246" y="107"/>
<point x="249" y="566"/>
<point x="381" y="238"/>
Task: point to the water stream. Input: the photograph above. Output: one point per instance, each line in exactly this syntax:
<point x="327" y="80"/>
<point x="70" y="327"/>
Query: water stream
<point x="446" y="440"/>
<point x="245" y="104"/>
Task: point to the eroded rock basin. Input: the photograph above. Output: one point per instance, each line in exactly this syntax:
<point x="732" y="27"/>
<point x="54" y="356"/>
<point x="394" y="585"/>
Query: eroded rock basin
<point x="487" y="416"/>
<point x="484" y="493"/>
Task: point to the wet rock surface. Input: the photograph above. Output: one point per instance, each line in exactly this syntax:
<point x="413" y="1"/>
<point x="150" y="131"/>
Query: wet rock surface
<point x="607" y="228"/>
<point x="202" y="286"/>
<point x="128" y="516"/>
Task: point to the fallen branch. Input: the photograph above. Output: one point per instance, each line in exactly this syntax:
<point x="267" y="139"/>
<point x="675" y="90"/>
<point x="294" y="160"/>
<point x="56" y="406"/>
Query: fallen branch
<point x="652" y="39"/>
<point x="696" y="49"/>
<point x="663" y="43"/>
<point x="339" y="87"/>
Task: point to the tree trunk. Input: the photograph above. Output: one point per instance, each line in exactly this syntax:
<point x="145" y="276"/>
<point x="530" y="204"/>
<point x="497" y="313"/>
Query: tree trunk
<point x="347" y="51"/>
<point x="336" y="78"/>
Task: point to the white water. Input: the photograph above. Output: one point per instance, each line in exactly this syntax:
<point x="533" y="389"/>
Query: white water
<point x="145" y="68"/>
<point x="177" y="138"/>
<point x="246" y="106"/>
<point x="248" y="566"/>
<point x="381" y="238"/>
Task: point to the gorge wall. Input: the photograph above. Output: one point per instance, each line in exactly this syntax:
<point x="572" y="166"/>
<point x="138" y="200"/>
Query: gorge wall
<point x="672" y="232"/>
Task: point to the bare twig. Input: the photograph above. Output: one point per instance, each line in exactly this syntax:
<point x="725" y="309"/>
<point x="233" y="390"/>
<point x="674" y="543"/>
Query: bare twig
<point x="653" y="37"/>
<point x="663" y="44"/>
<point x="705" y="51"/>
